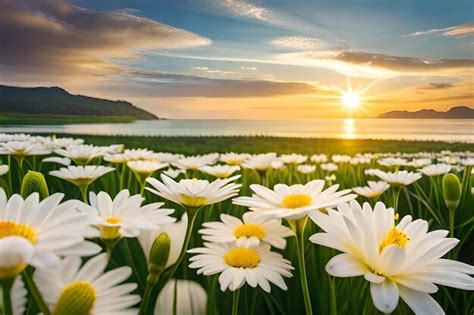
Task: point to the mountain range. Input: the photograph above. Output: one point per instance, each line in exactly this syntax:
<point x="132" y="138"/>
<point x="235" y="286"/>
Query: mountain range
<point x="57" y="102"/>
<point x="458" y="112"/>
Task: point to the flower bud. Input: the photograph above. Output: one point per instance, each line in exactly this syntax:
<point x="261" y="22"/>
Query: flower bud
<point x="159" y="253"/>
<point x="34" y="182"/>
<point x="76" y="298"/>
<point x="451" y="191"/>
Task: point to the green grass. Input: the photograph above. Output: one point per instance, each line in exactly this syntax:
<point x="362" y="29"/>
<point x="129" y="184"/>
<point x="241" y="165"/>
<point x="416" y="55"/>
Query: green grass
<point x="199" y="145"/>
<point x="21" y="119"/>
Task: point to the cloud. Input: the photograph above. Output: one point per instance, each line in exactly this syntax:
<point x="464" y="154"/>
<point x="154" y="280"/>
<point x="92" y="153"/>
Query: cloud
<point x="249" y="68"/>
<point x="213" y="71"/>
<point x="299" y="42"/>
<point x="458" y="30"/>
<point x="374" y="65"/>
<point x="247" y="9"/>
<point x="43" y="38"/>
<point x="437" y="86"/>
<point x="152" y="83"/>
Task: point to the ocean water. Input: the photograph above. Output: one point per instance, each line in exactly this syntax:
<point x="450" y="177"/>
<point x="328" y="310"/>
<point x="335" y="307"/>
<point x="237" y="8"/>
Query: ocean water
<point x="401" y="129"/>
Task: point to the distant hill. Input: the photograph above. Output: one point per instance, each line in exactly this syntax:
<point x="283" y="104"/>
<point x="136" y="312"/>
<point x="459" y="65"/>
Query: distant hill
<point x="57" y="102"/>
<point x="458" y="112"/>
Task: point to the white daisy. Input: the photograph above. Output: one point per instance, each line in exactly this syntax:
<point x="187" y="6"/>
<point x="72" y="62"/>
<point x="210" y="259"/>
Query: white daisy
<point x="194" y="193"/>
<point x="56" y="143"/>
<point x="197" y="161"/>
<point x="72" y="289"/>
<point x="249" y="231"/>
<point x="372" y="190"/>
<point x="390" y="161"/>
<point x="118" y="158"/>
<point x="293" y="202"/>
<point x="18" y="297"/>
<point x="232" y="158"/>
<point x="37" y="233"/>
<point x="176" y="232"/>
<point x="22" y="149"/>
<point x="319" y="158"/>
<point x="293" y="158"/>
<point x="138" y="154"/>
<point x="240" y="265"/>
<point x="81" y="175"/>
<point x="81" y="154"/>
<point x="164" y="157"/>
<point x="336" y="158"/>
<point x="436" y="169"/>
<point x="306" y="168"/>
<point x="398" y="178"/>
<point x="188" y="296"/>
<point x="260" y="162"/>
<point x="419" y="163"/>
<point x="144" y="169"/>
<point x="124" y="216"/>
<point x="400" y="260"/>
<point x="329" y="167"/>
<point x="220" y="171"/>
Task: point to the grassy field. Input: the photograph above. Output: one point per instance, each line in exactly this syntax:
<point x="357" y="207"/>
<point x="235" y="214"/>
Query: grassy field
<point x="199" y="145"/>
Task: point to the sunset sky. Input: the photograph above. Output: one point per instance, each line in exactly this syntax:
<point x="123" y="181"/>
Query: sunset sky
<point x="255" y="59"/>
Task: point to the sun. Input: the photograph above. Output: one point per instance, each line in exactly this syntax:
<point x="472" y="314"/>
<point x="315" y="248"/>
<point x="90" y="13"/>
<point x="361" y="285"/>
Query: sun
<point x="350" y="99"/>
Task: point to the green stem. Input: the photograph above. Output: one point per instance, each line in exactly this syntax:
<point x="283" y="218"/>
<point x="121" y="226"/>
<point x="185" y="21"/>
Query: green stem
<point x="235" y="302"/>
<point x="6" y="295"/>
<point x="333" y="297"/>
<point x="83" y="190"/>
<point x="146" y="299"/>
<point x="33" y="289"/>
<point x="122" y="175"/>
<point x="298" y="227"/>
<point x="451" y="223"/>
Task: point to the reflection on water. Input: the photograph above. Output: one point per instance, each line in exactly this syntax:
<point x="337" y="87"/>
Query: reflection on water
<point x="348" y="129"/>
<point x="409" y="129"/>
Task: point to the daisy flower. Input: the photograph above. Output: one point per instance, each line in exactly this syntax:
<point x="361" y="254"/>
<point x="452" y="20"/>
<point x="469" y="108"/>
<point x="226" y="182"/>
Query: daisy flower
<point x="188" y="296"/>
<point x="81" y="175"/>
<point x="419" y="163"/>
<point x="81" y="154"/>
<point x="37" y="233"/>
<point x="293" y="202"/>
<point x="118" y="158"/>
<point x="436" y="169"/>
<point x="398" y="178"/>
<point x="398" y="260"/>
<point x="176" y="232"/>
<point x="329" y="167"/>
<point x="336" y="158"/>
<point x="144" y="169"/>
<point x="260" y="162"/>
<point x="220" y="171"/>
<point x="173" y="173"/>
<point x="390" y="161"/>
<point x="72" y="289"/>
<point x="249" y="231"/>
<point x="164" y="157"/>
<point x="124" y="216"/>
<point x="138" y="154"/>
<point x="22" y="149"/>
<point x="293" y="158"/>
<point x="197" y="161"/>
<point x="56" y="143"/>
<point x="319" y="158"/>
<point x="306" y="168"/>
<point x="194" y="193"/>
<point x="372" y="190"/>
<point x="239" y="265"/>
<point x="232" y="158"/>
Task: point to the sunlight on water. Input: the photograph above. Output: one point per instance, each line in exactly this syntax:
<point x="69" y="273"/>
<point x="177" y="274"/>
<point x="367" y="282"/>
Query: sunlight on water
<point x="407" y="129"/>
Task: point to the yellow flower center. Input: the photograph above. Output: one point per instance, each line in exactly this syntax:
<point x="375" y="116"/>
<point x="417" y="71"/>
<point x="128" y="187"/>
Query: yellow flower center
<point x="249" y="230"/>
<point x="110" y="232"/>
<point x="10" y="228"/>
<point x="297" y="201"/>
<point x="76" y="298"/>
<point x="394" y="237"/>
<point x="193" y="201"/>
<point x="241" y="257"/>
<point x="234" y="162"/>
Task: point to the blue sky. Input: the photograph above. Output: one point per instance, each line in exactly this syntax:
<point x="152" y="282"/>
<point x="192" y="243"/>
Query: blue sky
<point x="222" y="58"/>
